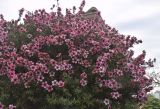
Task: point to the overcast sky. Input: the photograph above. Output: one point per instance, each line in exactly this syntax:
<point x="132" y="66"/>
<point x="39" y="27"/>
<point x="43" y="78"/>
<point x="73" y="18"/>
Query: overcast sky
<point x="140" y="18"/>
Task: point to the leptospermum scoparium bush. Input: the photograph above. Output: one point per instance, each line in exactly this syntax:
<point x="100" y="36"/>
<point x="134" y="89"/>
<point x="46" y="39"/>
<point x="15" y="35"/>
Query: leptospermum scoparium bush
<point x="71" y="61"/>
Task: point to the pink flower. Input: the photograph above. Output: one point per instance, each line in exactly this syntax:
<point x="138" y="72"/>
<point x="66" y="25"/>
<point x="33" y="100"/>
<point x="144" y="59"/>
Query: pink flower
<point x="44" y="84"/>
<point x="45" y="70"/>
<point x="40" y="78"/>
<point x="49" y="88"/>
<point x="83" y="75"/>
<point x="55" y="83"/>
<point x="142" y="95"/>
<point x="29" y="36"/>
<point x="39" y="30"/>
<point x="1" y="105"/>
<point x="106" y="101"/>
<point x="118" y="72"/>
<point x="131" y="66"/>
<point x="33" y="68"/>
<point x="11" y="66"/>
<point x="22" y="29"/>
<point x="61" y="84"/>
<point x="115" y="95"/>
<point x="83" y="82"/>
<point x="11" y="106"/>
<point x="11" y="74"/>
<point x="15" y="79"/>
<point x="73" y="53"/>
<point x="53" y="62"/>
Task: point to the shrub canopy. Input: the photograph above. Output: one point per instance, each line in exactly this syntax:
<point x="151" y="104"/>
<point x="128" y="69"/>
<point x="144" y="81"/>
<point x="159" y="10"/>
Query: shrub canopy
<point x="69" y="61"/>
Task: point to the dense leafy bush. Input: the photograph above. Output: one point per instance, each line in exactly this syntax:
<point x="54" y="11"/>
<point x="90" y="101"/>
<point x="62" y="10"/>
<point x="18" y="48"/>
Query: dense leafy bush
<point x="152" y="103"/>
<point x="71" y="61"/>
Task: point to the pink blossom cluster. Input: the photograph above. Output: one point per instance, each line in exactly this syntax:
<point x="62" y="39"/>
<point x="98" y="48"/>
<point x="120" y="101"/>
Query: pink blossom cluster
<point x="11" y="106"/>
<point x="59" y="44"/>
<point x="83" y="79"/>
<point x="112" y="84"/>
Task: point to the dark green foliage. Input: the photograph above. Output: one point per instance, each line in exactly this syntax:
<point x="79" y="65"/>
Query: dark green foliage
<point x="73" y="96"/>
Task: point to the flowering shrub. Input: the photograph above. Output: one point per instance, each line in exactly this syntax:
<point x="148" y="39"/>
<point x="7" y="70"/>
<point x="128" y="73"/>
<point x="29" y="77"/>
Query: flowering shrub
<point x="68" y="61"/>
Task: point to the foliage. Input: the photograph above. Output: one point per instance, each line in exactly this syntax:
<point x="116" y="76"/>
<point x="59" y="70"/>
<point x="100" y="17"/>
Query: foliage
<point x="152" y="103"/>
<point x="69" y="61"/>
